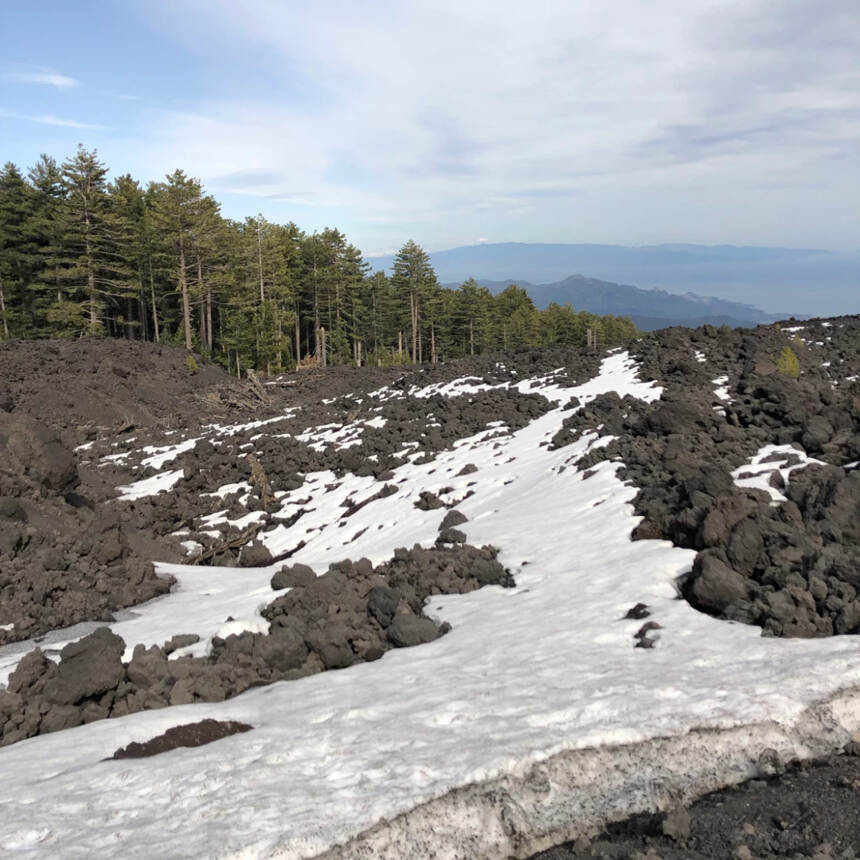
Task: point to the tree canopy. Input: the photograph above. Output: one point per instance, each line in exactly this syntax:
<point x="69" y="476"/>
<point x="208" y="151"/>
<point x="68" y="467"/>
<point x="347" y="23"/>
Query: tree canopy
<point x="82" y="255"/>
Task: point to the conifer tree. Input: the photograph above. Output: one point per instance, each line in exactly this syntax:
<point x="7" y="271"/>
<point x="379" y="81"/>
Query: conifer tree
<point x="415" y="282"/>
<point x="17" y="250"/>
<point x="97" y="234"/>
<point x="50" y="228"/>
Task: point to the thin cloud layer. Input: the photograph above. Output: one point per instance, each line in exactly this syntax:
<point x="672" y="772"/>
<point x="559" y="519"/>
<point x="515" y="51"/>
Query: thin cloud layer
<point x="48" y="119"/>
<point x="51" y="79"/>
<point x="734" y="121"/>
<point x="439" y="116"/>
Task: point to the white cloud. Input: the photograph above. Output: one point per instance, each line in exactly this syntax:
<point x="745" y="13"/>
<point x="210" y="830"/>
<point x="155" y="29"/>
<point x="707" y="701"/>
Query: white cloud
<point x="48" y="119"/>
<point x="461" y="119"/>
<point x="51" y="79"/>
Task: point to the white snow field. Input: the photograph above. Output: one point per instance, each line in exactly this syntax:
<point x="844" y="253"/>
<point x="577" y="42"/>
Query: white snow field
<point x="532" y="721"/>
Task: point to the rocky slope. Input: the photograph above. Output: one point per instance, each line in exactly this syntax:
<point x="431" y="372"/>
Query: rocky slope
<point x="749" y="458"/>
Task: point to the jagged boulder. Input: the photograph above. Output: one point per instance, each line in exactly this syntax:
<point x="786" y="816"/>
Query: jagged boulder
<point x="87" y="668"/>
<point x="32" y="450"/>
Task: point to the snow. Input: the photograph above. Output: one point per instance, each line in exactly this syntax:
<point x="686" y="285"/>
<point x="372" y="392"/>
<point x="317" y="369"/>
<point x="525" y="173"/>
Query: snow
<point x="722" y="388"/>
<point x="159" y="456"/>
<point x="159" y="483"/>
<point x="191" y="547"/>
<point x="700" y="356"/>
<point x="794" y="329"/>
<point x="201" y="602"/>
<point x="526" y="674"/>
<point x="757" y="473"/>
<point x="242" y="487"/>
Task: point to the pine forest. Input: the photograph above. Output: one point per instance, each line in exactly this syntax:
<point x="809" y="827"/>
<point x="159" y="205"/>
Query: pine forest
<point x="82" y="255"/>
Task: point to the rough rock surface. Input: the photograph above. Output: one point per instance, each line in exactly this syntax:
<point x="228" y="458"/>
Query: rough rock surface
<point x="63" y="558"/>
<point x="351" y="614"/>
<point x="79" y="386"/>
<point x="789" y="566"/>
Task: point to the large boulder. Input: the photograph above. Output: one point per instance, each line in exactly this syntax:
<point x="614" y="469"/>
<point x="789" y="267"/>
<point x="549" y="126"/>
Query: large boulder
<point x="715" y="586"/>
<point x="293" y="576"/>
<point x="30" y="449"/>
<point x="409" y="630"/>
<point x="89" y="667"/>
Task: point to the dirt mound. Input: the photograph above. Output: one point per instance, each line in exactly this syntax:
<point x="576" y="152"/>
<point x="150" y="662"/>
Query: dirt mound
<point x="188" y="735"/>
<point x="83" y="386"/>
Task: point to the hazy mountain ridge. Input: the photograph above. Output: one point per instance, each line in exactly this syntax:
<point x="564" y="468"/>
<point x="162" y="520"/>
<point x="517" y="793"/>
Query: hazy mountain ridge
<point x="785" y="280"/>
<point x="649" y="309"/>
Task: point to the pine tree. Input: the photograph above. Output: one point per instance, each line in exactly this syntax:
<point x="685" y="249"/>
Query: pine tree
<point x="96" y="235"/>
<point x="79" y="255"/>
<point x="415" y="283"/>
<point x="17" y="251"/>
<point x="53" y="308"/>
<point x="182" y="217"/>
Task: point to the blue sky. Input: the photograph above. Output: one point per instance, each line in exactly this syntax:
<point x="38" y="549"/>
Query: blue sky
<point x="713" y="121"/>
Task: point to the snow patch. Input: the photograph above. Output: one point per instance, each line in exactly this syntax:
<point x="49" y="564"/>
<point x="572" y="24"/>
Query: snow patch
<point x="757" y="473"/>
<point x="150" y="486"/>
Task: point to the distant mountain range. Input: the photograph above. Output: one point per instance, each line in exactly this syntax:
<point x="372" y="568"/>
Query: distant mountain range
<point x="649" y="309"/>
<point x="783" y="281"/>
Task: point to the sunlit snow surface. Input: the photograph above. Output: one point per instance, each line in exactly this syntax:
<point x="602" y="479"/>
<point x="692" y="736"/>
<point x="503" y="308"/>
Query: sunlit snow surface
<point x="525" y="672"/>
<point x="770" y="459"/>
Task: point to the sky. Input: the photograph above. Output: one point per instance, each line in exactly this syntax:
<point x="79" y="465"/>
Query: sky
<point x="461" y="121"/>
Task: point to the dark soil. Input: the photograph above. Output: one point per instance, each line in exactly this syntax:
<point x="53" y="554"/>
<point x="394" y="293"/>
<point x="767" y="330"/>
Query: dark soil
<point x="189" y="735"/>
<point x="88" y="386"/>
<point x="810" y="812"/>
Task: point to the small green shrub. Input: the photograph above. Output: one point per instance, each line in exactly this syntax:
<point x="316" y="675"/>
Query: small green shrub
<point x="191" y="364"/>
<point x="787" y="363"/>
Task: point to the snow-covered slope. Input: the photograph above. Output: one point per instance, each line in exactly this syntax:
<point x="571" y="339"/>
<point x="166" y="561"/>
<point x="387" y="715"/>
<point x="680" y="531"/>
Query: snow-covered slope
<point x="536" y="694"/>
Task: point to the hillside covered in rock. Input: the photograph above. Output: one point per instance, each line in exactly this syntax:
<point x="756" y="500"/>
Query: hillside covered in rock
<point x="170" y="538"/>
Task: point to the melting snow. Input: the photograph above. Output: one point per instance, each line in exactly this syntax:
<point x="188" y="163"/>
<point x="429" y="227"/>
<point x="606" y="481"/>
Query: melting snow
<point x="524" y="674"/>
<point x="150" y="486"/>
<point x="757" y="473"/>
<point x="722" y="388"/>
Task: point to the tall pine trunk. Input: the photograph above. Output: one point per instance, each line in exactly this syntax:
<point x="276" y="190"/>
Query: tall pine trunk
<point x="260" y="260"/>
<point x="154" y="306"/>
<point x="3" y="313"/>
<point x="204" y="332"/>
<point x="420" y="341"/>
<point x="317" y="344"/>
<point x="141" y="302"/>
<point x="183" y="288"/>
<point x="209" y="338"/>
<point x="413" y="313"/>
<point x="91" y="279"/>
